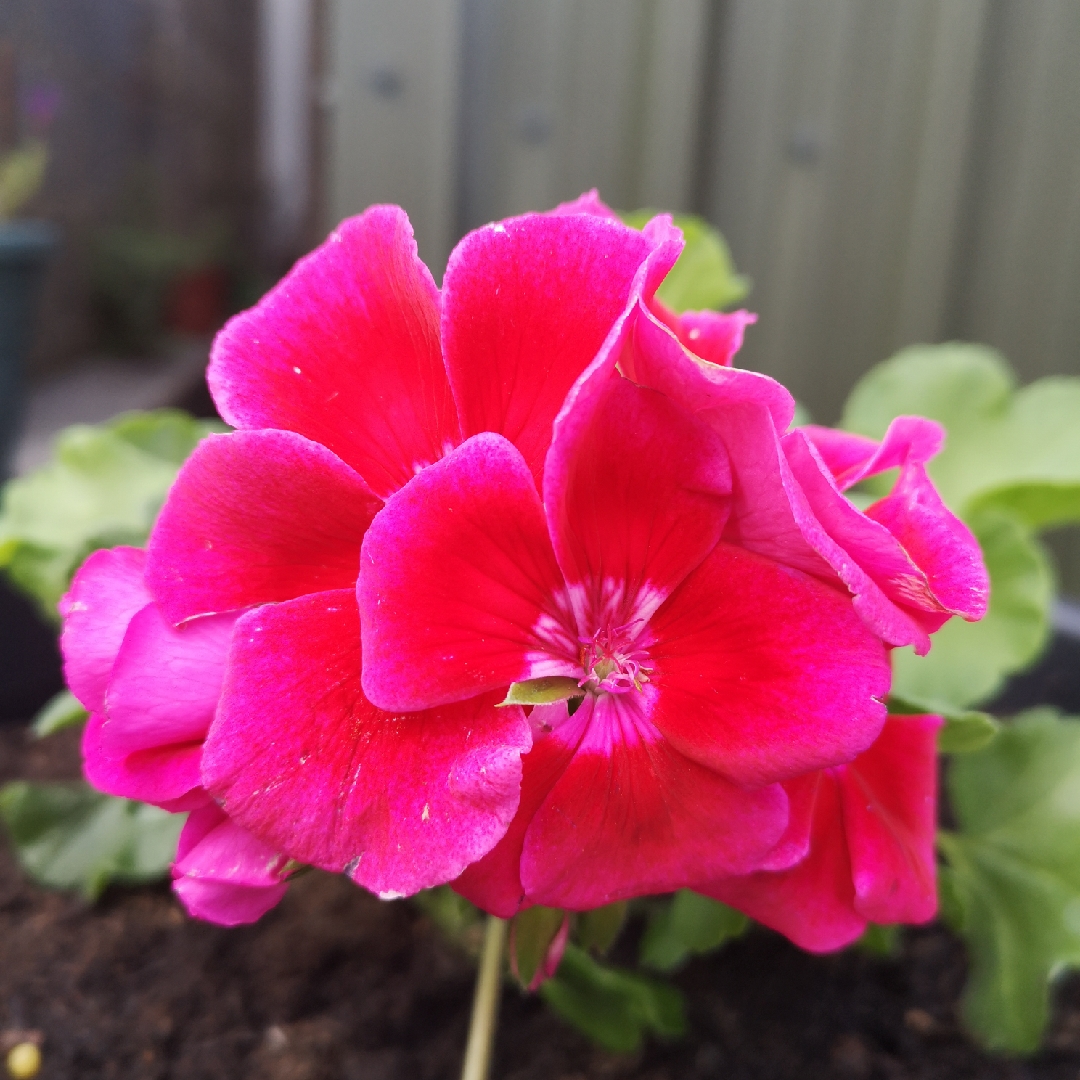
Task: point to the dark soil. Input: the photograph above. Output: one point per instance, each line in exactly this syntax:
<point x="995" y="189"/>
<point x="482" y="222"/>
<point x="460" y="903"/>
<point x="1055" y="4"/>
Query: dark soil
<point x="335" y="984"/>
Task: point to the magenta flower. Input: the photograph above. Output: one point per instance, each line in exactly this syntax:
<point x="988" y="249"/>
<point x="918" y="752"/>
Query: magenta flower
<point x="859" y="846"/>
<point x="349" y="378"/>
<point x="151" y="690"/>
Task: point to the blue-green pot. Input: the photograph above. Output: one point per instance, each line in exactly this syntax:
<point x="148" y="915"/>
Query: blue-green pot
<point x="25" y="247"/>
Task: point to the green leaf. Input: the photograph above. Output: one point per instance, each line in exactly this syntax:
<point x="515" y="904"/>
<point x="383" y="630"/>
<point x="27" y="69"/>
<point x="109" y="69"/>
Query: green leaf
<point x="612" y="1007"/>
<point x="968" y="662"/>
<point x="1012" y="886"/>
<point x="1017" y="450"/>
<point x="704" y="276"/>
<point x="965" y="730"/>
<point x="531" y="935"/>
<point x="542" y="691"/>
<point x="688" y="924"/>
<point x="21" y="174"/>
<point x="597" y="930"/>
<point x="459" y="920"/>
<point x="880" y="940"/>
<point x="68" y="836"/>
<point x="104" y="487"/>
<point x="64" y="710"/>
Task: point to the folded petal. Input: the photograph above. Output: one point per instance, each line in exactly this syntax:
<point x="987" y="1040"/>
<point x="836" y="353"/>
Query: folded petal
<point x="302" y="759"/>
<point x="167" y="776"/>
<point x="345" y="350"/>
<point x="629" y="815"/>
<point x="715" y="336"/>
<point x="527" y="304"/>
<point x="104" y="595"/>
<point x="889" y="798"/>
<point x="459" y="590"/>
<point x="763" y="673"/>
<point x="812" y="903"/>
<point x="635" y="492"/>
<point x="166" y="681"/>
<point x="253" y="517"/>
<point x="222" y="873"/>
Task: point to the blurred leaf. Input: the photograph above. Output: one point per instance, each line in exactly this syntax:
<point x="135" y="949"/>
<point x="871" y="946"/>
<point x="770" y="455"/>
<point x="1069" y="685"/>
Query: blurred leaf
<point x="965" y="730"/>
<point x="705" y="276"/>
<point x="459" y="920"/>
<point x="69" y="836"/>
<point x="21" y="174"/>
<point x="104" y="487"/>
<point x="612" y="1007"/>
<point x="1007" y="448"/>
<point x="968" y="662"/>
<point x="880" y="940"/>
<point x="64" y="710"/>
<point x="597" y="930"/>
<point x="688" y="924"/>
<point x="532" y="934"/>
<point x="1012" y="886"/>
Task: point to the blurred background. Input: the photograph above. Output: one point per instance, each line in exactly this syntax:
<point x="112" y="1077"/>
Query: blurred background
<point x="885" y="172"/>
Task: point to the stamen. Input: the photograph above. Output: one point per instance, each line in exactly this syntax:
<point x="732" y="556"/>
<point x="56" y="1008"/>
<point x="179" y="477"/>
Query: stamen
<point x="612" y="661"/>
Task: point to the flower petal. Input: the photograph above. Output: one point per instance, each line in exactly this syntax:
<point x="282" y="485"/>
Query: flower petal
<point x="104" y="595"/>
<point x="889" y="797"/>
<point x="300" y="757"/>
<point x="253" y="517"/>
<point x="345" y="350"/>
<point x="629" y="815"/>
<point x="459" y="590"/>
<point x="812" y="903"/>
<point x="635" y="492"/>
<point x="715" y="336"/>
<point x="222" y="873"/>
<point x="166" y="776"/>
<point x="763" y="673"/>
<point x="527" y="303"/>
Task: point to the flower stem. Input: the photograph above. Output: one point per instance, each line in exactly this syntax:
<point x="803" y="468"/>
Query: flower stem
<point x="485" y="1011"/>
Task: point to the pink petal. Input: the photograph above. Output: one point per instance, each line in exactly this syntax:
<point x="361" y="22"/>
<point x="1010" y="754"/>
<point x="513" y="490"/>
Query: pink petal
<point x="222" y="873"/>
<point x="715" y="336"/>
<point x="851" y="458"/>
<point x="588" y="203"/>
<point x="527" y="303"/>
<point x="253" y="517"/>
<point x="630" y="816"/>
<point x="300" y="757"/>
<point x="104" y="595"/>
<point x="763" y="673"/>
<point x="459" y="590"/>
<point x="166" y="776"/>
<point x="812" y="904"/>
<point x="938" y="542"/>
<point x="635" y="491"/>
<point x="166" y="681"/>
<point x="889" y="798"/>
<point x="345" y="350"/>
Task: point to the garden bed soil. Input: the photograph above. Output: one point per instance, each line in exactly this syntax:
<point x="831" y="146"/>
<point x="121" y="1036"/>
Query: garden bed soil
<point x="335" y="984"/>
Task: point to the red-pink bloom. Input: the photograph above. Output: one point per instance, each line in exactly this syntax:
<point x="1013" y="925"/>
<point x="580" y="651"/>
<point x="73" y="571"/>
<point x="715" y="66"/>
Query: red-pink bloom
<point x="151" y="690"/>
<point x="859" y="846"/>
<point x="350" y="377"/>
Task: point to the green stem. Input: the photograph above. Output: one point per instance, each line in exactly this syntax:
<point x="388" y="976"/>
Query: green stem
<point x="485" y="1011"/>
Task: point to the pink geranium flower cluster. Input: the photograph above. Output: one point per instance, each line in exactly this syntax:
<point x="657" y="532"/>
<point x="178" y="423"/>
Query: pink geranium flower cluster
<point x="537" y="478"/>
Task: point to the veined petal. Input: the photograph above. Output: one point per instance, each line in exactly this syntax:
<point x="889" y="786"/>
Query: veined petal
<point x="166" y="776"/>
<point x="527" y="304"/>
<point x="302" y="759"/>
<point x="166" y="681"/>
<point x="222" y="873"/>
<point x="459" y="590"/>
<point x="105" y="594"/>
<point x="889" y="798"/>
<point x="254" y="517"/>
<point x="635" y="492"/>
<point x="345" y="350"/>
<point x="763" y="673"/>
<point x="812" y="903"/>
<point x="629" y="815"/>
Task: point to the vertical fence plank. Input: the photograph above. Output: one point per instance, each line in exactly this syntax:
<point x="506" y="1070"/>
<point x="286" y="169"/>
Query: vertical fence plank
<point x="392" y="106"/>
